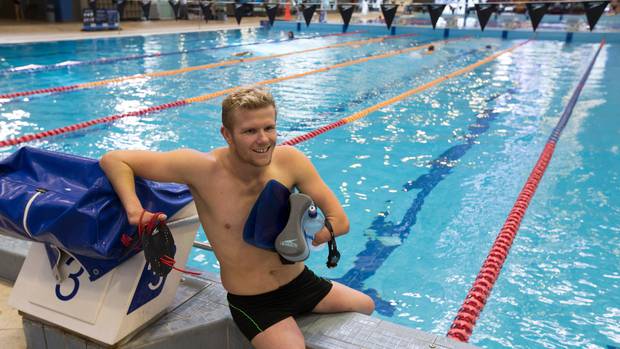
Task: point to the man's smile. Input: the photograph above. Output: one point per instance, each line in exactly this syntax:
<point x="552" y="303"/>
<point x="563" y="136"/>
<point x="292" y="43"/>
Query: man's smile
<point x="263" y="149"/>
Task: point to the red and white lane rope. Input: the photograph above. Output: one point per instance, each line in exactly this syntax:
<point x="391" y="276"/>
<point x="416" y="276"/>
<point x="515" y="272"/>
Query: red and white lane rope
<point x="202" y="98"/>
<point x="465" y="320"/>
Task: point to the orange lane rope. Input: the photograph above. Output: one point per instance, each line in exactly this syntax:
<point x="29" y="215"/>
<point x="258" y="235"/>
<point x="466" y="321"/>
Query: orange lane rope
<point x="224" y="63"/>
<point x="365" y="112"/>
<point x="319" y="70"/>
<point x="182" y="102"/>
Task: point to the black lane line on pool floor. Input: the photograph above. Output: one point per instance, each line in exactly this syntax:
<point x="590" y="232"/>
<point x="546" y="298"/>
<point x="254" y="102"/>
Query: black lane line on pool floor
<point x="372" y="257"/>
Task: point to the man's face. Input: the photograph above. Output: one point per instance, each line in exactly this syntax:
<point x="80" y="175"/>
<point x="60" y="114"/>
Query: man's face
<point x="253" y="137"/>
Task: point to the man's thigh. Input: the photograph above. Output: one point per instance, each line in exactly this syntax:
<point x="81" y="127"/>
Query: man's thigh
<point x="284" y="334"/>
<point x="342" y="298"/>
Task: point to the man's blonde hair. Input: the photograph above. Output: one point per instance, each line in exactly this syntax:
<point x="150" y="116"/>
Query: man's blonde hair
<point x="248" y="98"/>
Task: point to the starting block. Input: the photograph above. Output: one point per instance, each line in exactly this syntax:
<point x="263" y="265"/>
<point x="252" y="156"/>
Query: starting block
<point x="113" y="306"/>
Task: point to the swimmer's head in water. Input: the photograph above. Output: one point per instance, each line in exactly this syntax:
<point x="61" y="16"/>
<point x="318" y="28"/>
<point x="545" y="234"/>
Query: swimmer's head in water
<point x="291" y="35"/>
<point x="243" y="53"/>
<point x="249" y="125"/>
<point x="431" y="48"/>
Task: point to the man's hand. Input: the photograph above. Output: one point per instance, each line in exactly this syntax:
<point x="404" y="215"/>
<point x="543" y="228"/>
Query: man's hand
<point x="135" y="216"/>
<point x="321" y="237"/>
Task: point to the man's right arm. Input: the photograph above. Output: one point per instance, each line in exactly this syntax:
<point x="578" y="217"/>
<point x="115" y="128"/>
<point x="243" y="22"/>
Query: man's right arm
<point x="120" y="166"/>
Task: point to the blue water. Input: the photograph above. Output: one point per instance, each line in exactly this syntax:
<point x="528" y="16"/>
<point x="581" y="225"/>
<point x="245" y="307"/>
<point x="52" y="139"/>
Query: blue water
<point x="427" y="182"/>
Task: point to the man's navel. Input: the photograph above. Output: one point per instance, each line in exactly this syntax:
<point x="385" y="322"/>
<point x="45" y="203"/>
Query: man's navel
<point x="227" y="225"/>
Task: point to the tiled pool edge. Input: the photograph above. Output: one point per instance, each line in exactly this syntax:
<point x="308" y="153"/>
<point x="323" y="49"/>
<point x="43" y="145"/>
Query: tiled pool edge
<point x="199" y="316"/>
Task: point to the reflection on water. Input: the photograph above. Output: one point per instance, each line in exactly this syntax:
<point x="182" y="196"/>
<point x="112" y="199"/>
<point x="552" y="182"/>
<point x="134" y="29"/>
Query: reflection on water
<point x="426" y="182"/>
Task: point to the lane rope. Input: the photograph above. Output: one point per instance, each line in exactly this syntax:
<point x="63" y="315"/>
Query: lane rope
<point x="230" y="62"/>
<point x="365" y="112"/>
<point x="465" y="320"/>
<point x="107" y="119"/>
<point x="110" y="60"/>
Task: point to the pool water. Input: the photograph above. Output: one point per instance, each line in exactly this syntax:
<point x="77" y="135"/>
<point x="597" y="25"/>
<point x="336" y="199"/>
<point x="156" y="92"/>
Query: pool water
<point x="427" y="182"/>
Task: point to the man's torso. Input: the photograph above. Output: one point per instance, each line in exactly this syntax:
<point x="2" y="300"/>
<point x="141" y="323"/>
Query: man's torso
<point x="224" y="202"/>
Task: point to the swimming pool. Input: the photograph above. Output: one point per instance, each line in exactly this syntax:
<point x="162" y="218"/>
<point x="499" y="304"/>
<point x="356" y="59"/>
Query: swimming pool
<point x="421" y="224"/>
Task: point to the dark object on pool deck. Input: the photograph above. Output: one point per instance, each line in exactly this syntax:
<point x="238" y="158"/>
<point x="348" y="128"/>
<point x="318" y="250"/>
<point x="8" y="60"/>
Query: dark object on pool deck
<point x="346" y="12"/>
<point x="146" y="8"/>
<point x="435" y="11"/>
<point x="205" y="6"/>
<point x="175" y="4"/>
<point x="308" y="13"/>
<point x="242" y="10"/>
<point x="389" y="11"/>
<point x="594" y="10"/>
<point x="120" y="7"/>
<point x="272" y="10"/>
<point x="484" y="12"/>
<point x="536" y="12"/>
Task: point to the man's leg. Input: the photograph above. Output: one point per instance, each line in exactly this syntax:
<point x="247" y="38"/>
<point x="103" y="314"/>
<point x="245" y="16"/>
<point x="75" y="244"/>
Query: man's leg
<point x="342" y="298"/>
<point x="284" y="334"/>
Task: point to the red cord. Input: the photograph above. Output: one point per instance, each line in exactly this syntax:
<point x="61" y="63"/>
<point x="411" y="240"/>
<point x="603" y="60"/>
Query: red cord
<point x="148" y="229"/>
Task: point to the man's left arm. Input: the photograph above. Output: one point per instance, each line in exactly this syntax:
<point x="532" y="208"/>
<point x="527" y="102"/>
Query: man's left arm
<point x="309" y="182"/>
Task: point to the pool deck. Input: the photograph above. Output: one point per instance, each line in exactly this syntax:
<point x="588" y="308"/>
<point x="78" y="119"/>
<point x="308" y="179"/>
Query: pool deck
<point x="11" y="329"/>
<point x="13" y="32"/>
<point x="199" y="314"/>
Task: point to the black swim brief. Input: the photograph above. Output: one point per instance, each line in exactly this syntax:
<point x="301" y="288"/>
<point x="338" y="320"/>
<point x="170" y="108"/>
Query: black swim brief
<point x="254" y="314"/>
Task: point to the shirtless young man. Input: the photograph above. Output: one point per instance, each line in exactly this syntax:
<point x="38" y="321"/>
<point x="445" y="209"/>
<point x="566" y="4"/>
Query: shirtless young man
<point x="264" y="294"/>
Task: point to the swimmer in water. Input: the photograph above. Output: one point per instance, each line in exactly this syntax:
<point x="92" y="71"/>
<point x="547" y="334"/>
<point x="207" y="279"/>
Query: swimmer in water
<point x="430" y="49"/>
<point x="291" y="35"/>
<point x="241" y="54"/>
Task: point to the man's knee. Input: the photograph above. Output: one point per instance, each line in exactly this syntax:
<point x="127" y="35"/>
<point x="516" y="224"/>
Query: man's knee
<point x="366" y="305"/>
<point x="284" y="334"/>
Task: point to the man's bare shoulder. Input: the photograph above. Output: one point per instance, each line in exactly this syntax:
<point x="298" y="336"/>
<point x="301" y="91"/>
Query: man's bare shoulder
<point x="188" y="163"/>
<point x="196" y="158"/>
<point x="292" y="161"/>
<point x="289" y="155"/>
<point x="187" y="154"/>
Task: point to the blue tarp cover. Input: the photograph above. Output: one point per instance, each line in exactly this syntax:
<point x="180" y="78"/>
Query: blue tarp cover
<point x="70" y="205"/>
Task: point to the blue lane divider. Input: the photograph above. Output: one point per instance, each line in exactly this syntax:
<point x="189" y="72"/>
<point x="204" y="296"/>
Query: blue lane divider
<point x="557" y="130"/>
<point x="58" y="66"/>
<point x="372" y="257"/>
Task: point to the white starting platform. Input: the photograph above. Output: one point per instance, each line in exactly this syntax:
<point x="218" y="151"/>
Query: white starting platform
<point x="110" y="308"/>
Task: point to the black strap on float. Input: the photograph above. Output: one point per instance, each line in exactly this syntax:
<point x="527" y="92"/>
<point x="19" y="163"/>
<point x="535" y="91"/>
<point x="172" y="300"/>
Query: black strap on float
<point x="334" y="256"/>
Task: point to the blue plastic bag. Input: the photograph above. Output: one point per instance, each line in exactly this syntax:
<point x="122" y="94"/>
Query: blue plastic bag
<point x="67" y="203"/>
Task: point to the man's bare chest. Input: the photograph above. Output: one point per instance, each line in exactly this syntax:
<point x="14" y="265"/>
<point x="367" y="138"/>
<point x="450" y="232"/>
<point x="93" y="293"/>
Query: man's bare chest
<point x="227" y="203"/>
